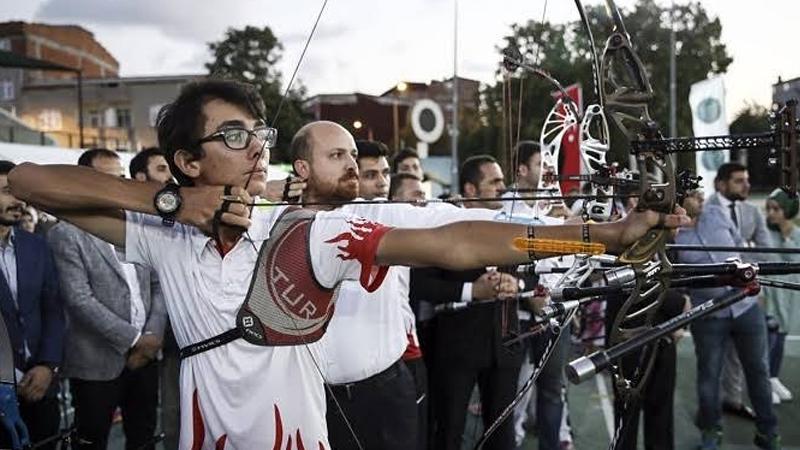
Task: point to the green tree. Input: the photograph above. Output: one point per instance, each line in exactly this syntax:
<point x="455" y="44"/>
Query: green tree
<point x="754" y="118"/>
<point x="563" y="50"/>
<point x="251" y="55"/>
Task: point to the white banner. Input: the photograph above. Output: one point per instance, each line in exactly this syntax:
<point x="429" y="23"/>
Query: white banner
<point x="707" y="99"/>
<point x="48" y="154"/>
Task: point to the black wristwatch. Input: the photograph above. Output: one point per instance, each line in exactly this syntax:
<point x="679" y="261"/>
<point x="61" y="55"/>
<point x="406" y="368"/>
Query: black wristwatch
<point x="167" y="202"/>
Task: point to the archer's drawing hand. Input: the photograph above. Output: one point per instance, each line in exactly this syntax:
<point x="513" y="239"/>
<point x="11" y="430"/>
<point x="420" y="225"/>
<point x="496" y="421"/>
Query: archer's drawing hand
<point x="201" y="203"/>
<point x="286" y="189"/>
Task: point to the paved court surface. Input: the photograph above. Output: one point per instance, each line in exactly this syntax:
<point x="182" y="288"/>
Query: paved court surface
<point x="590" y="423"/>
<point x="588" y="401"/>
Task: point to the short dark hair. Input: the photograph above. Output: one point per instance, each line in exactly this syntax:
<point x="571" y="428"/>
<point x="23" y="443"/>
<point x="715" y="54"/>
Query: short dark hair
<point x="6" y="167"/>
<point x="471" y="170"/>
<point x="524" y="150"/>
<point x="727" y="170"/>
<point x="397" y="181"/>
<point x="139" y="162"/>
<point x="180" y="123"/>
<point x="401" y="156"/>
<point x="371" y="149"/>
<point x="87" y="158"/>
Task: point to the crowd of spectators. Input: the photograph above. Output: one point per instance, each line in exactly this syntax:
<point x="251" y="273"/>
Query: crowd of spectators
<point x="408" y="362"/>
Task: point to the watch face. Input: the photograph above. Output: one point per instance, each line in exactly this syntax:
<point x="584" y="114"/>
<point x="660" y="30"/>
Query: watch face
<point x="167" y="202"/>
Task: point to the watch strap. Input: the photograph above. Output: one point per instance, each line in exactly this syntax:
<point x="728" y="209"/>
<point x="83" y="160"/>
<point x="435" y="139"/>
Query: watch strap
<point x="168" y="219"/>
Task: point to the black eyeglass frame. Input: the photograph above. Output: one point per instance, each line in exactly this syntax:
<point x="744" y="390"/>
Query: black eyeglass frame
<point x="271" y="138"/>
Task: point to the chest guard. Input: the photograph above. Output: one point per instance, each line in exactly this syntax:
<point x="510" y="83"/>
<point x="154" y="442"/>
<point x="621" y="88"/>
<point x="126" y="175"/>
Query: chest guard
<point x="285" y="304"/>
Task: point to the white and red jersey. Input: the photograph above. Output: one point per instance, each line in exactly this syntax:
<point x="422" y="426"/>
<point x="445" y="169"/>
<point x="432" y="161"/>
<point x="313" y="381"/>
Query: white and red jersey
<point x="370" y="331"/>
<point x="239" y="395"/>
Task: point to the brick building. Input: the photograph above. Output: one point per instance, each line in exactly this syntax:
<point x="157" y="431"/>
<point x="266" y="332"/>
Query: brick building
<point x="385" y="117"/>
<point x="66" y="45"/>
<point x="118" y="112"/>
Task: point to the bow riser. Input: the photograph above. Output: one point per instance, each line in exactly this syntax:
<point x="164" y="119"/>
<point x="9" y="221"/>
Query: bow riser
<point x="594" y="152"/>
<point x="627" y="91"/>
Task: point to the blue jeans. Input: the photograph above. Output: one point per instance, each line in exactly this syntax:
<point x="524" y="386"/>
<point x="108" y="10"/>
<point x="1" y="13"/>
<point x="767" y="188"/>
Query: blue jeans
<point x="749" y="334"/>
<point x="776" y="345"/>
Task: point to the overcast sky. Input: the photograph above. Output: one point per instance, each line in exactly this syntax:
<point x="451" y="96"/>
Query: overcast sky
<point x="369" y="45"/>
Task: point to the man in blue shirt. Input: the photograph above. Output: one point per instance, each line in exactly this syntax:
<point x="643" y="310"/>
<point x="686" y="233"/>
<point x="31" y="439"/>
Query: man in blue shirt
<point x="34" y="315"/>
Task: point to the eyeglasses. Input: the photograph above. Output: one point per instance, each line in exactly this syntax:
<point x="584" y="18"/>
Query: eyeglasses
<point x="239" y="138"/>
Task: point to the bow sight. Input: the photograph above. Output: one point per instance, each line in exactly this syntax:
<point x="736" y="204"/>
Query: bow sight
<point x="781" y="141"/>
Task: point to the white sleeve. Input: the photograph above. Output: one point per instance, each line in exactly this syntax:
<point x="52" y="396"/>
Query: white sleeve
<point x="137" y="248"/>
<point x="466" y="292"/>
<point x="343" y="247"/>
<point x="148" y="241"/>
<point x="432" y="215"/>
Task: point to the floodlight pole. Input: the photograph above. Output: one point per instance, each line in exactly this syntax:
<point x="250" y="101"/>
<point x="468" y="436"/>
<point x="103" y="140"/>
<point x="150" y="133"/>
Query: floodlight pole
<point x="454" y="188"/>
<point x="80" y="108"/>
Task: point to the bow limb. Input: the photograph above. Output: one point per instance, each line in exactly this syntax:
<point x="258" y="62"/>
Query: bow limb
<point x="561" y="118"/>
<point x="594" y="135"/>
<point x="580" y="270"/>
<point x="626" y="88"/>
<point x="558" y="122"/>
<point x="596" y="74"/>
<point x="305" y="344"/>
<point x="529" y="383"/>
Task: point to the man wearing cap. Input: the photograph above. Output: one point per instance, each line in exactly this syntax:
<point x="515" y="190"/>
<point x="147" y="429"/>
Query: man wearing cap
<point x="782" y="307"/>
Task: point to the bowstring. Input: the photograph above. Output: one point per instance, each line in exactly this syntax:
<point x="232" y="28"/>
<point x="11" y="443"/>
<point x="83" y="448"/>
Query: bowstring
<point x="514" y="156"/>
<point x="550" y="348"/>
<point x="258" y="158"/>
<point x="513" y="160"/>
<point x="299" y="61"/>
<point x="519" y="112"/>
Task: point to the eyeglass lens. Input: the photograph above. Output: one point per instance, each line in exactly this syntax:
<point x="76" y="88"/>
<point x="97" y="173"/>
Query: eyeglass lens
<point x="239" y="138"/>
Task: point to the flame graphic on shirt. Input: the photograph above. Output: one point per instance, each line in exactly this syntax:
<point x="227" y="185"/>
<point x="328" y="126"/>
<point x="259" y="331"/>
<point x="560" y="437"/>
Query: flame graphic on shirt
<point x="279" y="435"/>
<point x="199" y="427"/>
<point x="361" y="244"/>
<point x="357" y="242"/>
<point x="199" y="431"/>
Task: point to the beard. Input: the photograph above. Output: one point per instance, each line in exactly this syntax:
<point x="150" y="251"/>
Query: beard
<point x="344" y="189"/>
<point x="7" y="219"/>
<point x="736" y="197"/>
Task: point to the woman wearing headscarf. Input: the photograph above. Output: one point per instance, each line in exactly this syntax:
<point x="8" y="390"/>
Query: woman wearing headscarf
<point x="782" y="305"/>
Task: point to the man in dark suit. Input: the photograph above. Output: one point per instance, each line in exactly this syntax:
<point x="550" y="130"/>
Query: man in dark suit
<point x="469" y="343"/>
<point x="33" y="314"/>
<point x="116" y="318"/>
